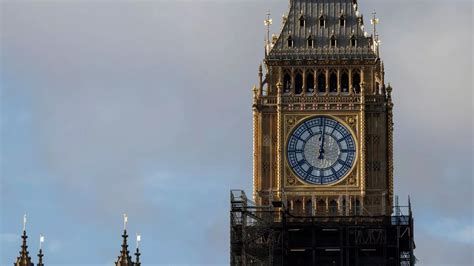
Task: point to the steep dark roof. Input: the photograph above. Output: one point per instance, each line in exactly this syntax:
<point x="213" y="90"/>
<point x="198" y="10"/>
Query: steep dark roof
<point x="331" y="11"/>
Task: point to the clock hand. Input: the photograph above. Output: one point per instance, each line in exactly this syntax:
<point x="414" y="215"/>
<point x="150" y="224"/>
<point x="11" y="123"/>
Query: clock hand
<point x="321" y="150"/>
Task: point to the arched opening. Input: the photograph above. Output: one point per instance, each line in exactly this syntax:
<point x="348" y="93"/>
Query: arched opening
<point x="345" y="82"/>
<point x="298" y="83"/>
<point x="302" y="21"/>
<point x="290" y="41"/>
<point x="333" y="41"/>
<point x="286" y="83"/>
<point x="310" y="42"/>
<point x="321" y="207"/>
<point x="342" y="21"/>
<point x="309" y="82"/>
<point x="333" y="82"/>
<point x="344" y="207"/>
<point x="333" y="208"/>
<point x="309" y="208"/>
<point x="358" y="208"/>
<point x="321" y="83"/>
<point x="353" y="41"/>
<point x="297" y="207"/>
<point x="356" y="82"/>
<point x="322" y="22"/>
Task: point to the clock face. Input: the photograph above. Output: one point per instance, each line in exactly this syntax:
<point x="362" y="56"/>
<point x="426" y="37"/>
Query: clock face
<point x="321" y="151"/>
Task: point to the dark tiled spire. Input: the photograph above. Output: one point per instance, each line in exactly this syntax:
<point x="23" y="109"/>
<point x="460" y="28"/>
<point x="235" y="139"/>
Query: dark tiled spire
<point x="124" y="259"/>
<point x="24" y="258"/>
<point x="319" y="28"/>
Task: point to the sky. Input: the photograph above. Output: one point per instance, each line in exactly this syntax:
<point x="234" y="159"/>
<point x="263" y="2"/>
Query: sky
<point x="144" y="107"/>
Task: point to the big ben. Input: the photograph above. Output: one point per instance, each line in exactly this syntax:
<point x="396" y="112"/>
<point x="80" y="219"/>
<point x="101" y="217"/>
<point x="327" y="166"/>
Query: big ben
<point x="323" y="115"/>
<point x="322" y="147"/>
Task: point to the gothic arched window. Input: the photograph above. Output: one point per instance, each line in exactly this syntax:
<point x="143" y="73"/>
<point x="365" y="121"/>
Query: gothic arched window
<point x="353" y="41"/>
<point x="309" y="208"/>
<point x="302" y="21"/>
<point x="322" y="21"/>
<point x="333" y="41"/>
<point x="310" y="42"/>
<point x="342" y="21"/>
<point x="358" y="208"/>
<point x="333" y="207"/>
<point x="333" y="82"/>
<point x="298" y="83"/>
<point x="345" y="82"/>
<point x="298" y="207"/>
<point x="321" y="83"/>
<point x="290" y="41"/>
<point x="321" y="207"/>
<point x="286" y="83"/>
<point x="309" y="82"/>
<point x="356" y="82"/>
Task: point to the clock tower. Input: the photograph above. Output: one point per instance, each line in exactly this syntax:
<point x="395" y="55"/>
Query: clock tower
<point x="322" y="115"/>
<point x="322" y="148"/>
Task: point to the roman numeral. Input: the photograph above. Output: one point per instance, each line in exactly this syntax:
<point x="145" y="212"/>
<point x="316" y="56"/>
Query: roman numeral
<point x="347" y="151"/>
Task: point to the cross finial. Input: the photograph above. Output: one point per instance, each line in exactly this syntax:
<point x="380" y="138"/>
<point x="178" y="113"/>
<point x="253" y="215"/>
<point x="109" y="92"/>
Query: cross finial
<point x="125" y="221"/>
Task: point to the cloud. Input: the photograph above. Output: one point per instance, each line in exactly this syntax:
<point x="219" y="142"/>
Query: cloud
<point x="145" y="107"/>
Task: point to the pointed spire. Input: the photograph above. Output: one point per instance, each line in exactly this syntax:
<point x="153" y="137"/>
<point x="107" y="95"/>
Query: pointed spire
<point x="40" y="258"/>
<point x="137" y="253"/>
<point x="40" y="254"/>
<point x="124" y="259"/>
<point x="24" y="258"/>
<point x="137" y="258"/>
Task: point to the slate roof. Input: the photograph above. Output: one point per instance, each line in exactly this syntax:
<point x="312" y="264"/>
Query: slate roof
<point x="331" y="10"/>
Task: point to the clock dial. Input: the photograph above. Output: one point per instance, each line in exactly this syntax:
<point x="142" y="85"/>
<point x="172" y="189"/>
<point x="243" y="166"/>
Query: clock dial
<point x="321" y="150"/>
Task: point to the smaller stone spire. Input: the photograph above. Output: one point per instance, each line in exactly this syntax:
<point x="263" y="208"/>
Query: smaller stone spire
<point x="40" y="254"/>
<point x="24" y="258"/>
<point x="137" y="253"/>
<point x="124" y="259"/>
<point x="40" y="258"/>
<point x="137" y="258"/>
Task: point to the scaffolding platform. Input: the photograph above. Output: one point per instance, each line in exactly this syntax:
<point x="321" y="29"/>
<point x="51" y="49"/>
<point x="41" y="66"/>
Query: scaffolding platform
<point x="271" y="235"/>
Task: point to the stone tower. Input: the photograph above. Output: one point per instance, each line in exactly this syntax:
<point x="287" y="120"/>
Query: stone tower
<point x="322" y="115"/>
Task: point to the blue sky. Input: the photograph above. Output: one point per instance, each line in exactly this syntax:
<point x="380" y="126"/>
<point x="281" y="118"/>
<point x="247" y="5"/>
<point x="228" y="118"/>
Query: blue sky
<point x="145" y="108"/>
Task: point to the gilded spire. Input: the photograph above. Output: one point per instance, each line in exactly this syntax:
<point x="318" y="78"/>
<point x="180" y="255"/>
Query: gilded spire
<point x="24" y="258"/>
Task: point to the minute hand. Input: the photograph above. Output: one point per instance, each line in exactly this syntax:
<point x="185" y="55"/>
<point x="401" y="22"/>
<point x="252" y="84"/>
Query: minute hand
<point x="321" y="150"/>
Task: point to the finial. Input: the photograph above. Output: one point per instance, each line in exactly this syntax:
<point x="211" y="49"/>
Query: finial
<point x="137" y="253"/>
<point x="268" y="22"/>
<point x="24" y="258"/>
<point x="125" y="221"/>
<point x="24" y="222"/>
<point x="389" y="89"/>
<point x="41" y="241"/>
<point x="279" y="87"/>
<point x="40" y="254"/>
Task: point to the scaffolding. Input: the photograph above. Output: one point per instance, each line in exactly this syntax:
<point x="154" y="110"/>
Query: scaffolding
<point x="271" y="235"/>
